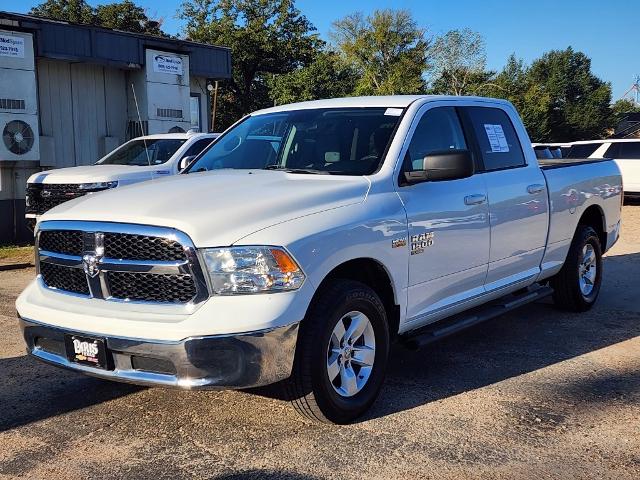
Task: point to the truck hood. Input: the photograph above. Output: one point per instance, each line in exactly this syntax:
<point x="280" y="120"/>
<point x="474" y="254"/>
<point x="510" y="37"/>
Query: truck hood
<point x="96" y="173"/>
<point x="220" y="207"/>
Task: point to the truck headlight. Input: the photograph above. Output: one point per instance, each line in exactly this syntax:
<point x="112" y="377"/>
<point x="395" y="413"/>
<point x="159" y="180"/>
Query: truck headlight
<point x="98" y="185"/>
<point x="260" y="269"/>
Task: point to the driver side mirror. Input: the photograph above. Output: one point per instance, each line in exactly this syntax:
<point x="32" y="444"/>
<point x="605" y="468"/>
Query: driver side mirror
<point x="185" y="161"/>
<point x="442" y="165"/>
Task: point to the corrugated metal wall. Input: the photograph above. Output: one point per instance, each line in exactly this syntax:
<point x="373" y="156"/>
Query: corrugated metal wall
<point x="80" y="105"/>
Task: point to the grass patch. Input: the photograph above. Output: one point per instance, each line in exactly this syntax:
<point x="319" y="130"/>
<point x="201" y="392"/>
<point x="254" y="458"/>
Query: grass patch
<point x="12" y="254"/>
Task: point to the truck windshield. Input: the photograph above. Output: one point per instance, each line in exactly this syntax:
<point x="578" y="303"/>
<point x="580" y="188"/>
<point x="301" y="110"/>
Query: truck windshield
<point x="133" y="152"/>
<point x="344" y="141"/>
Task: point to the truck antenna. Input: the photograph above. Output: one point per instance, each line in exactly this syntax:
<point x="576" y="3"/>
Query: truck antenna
<point x="144" y="140"/>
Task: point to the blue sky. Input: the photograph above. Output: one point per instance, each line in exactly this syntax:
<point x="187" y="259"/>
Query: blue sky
<point x="606" y="31"/>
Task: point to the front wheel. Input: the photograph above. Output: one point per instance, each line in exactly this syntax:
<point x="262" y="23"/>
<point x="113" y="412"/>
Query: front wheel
<point x="577" y="285"/>
<point x="341" y="356"/>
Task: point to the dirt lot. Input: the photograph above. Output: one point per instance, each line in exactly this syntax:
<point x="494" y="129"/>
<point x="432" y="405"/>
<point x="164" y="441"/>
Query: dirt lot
<point x="534" y="394"/>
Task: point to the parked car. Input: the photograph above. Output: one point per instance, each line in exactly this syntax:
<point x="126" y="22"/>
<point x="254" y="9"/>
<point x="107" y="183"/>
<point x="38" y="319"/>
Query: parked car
<point x="625" y="152"/>
<point x="143" y="158"/>
<point x="309" y="237"/>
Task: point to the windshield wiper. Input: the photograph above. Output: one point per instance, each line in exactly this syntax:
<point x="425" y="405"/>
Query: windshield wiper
<point x="297" y="170"/>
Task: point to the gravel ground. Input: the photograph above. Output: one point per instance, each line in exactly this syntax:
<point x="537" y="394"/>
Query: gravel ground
<point x="536" y="393"/>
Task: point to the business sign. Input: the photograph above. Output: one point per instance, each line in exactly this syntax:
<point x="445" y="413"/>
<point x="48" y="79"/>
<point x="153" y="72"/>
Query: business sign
<point x="11" y="46"/>
<point x="167" y="64"/>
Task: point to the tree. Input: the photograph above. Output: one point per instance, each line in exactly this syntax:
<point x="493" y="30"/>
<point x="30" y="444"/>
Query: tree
<point x="74" y="11"/>
<point x="460" y="81"/>
<point x="326" y="77"/>
<point x="387" y="49"/>
<point x="266" y="37"/>
<point x="124" y="15"/>
<point x="622" y="107"/>
<point x="127" y="16"/>
<point x="579" y="102"/>
<point x="459" y="61"/>
<point x="532" y="102"/>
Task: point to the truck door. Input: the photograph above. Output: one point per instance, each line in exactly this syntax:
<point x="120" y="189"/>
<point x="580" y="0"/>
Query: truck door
<point x="448" y="224"/>
<point x="518" y="202"/>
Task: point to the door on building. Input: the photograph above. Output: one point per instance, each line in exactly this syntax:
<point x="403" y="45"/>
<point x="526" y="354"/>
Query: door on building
<point x="194" y="106"/>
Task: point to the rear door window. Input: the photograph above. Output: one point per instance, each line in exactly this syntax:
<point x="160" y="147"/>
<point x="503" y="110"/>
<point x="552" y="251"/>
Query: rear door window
<point x="583" y="150"/>
<point x="629" y="150"/>
<point x="497" y="138"/>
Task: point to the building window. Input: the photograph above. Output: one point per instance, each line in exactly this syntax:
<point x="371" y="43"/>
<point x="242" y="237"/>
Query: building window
<point x="195" y="111"/>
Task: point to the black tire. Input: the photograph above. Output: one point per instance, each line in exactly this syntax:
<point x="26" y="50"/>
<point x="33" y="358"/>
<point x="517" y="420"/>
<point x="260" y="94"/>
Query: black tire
<point x="567" y="293"/>
<point x="309" y="388"/>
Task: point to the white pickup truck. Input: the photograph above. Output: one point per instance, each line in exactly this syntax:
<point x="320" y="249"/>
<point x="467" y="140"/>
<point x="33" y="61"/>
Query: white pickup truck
<point x="309" y="237"/>
<point x="140" y="159"/>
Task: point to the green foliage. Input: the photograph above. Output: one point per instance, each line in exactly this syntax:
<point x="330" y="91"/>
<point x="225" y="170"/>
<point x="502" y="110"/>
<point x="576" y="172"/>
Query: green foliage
<point x="326" y="77"/>
<point x="266" y="37"/>
<point x="387" y="50"/>
<point x="579" y="101"/>
<point x="532" y="102"/>
<point x="124" y="15"/>
<point x="74" y="11"/>
<point x="463" y="81"/>
<point x="621" y="108"/>
<point x="459" y="60"/>
<point x="127" y="16"/>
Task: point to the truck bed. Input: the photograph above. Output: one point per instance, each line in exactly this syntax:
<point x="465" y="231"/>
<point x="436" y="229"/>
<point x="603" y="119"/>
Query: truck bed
<point x="550" y="163"/>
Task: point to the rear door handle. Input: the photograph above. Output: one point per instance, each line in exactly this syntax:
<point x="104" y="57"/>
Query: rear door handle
<point x="476" y="199"/>
<point x="535" y="188"/>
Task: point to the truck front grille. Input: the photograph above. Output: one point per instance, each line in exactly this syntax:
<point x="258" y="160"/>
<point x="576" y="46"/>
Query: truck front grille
<point x="142" y="247"/>
<point x="68" y="242"/>
<point x="120" y="262"/>
<point x="44" y="196"/>
<point x="150" y="287"/>
<point x="64" y="278"/>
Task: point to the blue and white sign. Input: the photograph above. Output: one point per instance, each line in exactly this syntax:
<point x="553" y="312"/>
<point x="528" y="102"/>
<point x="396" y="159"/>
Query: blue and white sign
<point x="167" y="64"/>
<point x="11" y="46"/>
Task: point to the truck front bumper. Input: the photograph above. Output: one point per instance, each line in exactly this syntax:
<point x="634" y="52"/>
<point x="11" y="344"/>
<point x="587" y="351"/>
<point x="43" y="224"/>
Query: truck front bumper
<point x="224" y="361"/>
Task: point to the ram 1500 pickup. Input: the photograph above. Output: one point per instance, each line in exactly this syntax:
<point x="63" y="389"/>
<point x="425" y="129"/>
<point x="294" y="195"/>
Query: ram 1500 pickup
<point x="309" y="237"/>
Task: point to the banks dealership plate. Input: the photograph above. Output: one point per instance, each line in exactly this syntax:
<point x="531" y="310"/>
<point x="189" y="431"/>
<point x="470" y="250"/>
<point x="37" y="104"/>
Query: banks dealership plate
<point x="88" y="351"/>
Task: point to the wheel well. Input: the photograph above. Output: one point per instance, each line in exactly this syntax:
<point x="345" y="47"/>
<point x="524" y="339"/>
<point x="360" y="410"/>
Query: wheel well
<point x="594" y="218"/>
<point x="375" y="276"/>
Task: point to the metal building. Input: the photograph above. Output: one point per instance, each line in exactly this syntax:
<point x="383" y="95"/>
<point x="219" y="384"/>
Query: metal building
<point x="71" y="93"/>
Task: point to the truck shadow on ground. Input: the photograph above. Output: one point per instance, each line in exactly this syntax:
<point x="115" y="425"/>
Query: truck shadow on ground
<point x="523" y="341"/>
<point x="32" y="391"/>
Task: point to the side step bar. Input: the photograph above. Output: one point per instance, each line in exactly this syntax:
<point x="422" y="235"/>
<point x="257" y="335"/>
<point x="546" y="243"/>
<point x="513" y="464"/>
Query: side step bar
<point x="443" y="328"/>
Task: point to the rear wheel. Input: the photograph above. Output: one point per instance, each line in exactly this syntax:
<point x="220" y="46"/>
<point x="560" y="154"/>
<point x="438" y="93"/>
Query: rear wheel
<point x="341" y="355"/>
<point x="577" y="285"/>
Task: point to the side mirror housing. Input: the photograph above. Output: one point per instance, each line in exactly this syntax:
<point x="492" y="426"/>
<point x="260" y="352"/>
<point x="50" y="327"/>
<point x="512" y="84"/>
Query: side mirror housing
<point x="443" y="165"/>
<point x="185" y="161"/>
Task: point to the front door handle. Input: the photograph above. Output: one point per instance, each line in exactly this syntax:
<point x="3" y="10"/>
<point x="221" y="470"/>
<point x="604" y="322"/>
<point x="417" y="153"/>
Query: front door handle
<point x="476" y="199"/>
<point x="535" y="188"/>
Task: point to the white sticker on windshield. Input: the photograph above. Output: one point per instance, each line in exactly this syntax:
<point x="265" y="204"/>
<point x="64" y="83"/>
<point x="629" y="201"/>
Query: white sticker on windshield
<point x="394" y="112"/>
<point x="497" y="140"/>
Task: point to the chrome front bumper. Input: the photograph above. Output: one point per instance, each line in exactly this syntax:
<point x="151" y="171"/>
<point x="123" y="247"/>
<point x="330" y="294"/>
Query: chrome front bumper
<point x="223" y="361"/>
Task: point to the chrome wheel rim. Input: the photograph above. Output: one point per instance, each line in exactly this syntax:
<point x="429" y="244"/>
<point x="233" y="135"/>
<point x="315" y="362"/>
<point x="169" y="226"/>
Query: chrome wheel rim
<point x="351" y="353"/>
<point x="587" y="270"/>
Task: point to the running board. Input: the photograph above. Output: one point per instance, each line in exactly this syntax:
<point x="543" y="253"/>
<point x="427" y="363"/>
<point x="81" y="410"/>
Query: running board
<point x="443" y="328"/>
